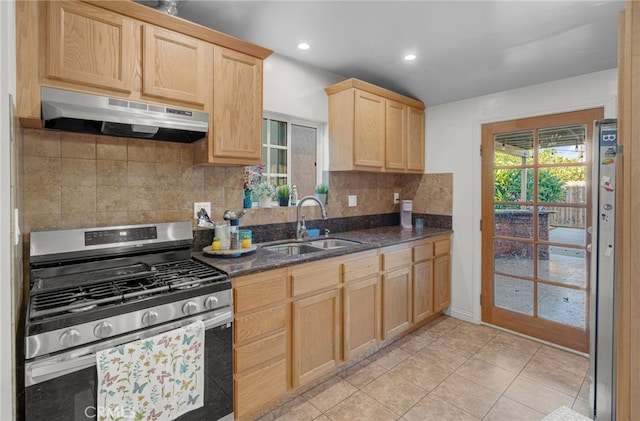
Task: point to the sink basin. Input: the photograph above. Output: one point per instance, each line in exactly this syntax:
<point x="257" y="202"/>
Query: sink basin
<point x="293" y="249"/>
<point x="296" y="248"/>
<point x="332" y="243"/>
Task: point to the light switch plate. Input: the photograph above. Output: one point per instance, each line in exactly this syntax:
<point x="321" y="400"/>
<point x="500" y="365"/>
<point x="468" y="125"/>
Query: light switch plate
<point x="353" y="200"/>
<point x="199" y="205"/>
<point x="396" y="198"/>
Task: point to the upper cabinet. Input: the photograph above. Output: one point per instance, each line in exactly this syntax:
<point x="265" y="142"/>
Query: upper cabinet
<point x="124" y="49"/>
<point x="175" y="66"/>
<point x="90" y="46"/>
<point x="373" y="129"/>
<point x="236" y="133"/>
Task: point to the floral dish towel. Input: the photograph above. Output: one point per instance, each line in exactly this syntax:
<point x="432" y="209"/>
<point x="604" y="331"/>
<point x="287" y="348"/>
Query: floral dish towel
<point x="158" y="378"/>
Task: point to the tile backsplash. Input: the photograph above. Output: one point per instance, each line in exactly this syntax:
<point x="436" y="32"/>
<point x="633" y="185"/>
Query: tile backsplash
<point x="75" y="180"/>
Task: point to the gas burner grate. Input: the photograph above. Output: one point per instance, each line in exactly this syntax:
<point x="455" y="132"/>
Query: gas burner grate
<point x="161" y="278"/>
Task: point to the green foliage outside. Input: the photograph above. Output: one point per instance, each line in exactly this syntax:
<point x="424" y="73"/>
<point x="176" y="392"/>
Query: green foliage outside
<point x="551" y="181"/>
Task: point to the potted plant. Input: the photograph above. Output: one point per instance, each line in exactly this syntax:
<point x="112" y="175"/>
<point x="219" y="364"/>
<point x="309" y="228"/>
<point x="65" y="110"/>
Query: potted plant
<point x="321" y="192"/>
<point x="264" y="191"/>
<point x="251" y="178"/>
<point x="283" y="191"/>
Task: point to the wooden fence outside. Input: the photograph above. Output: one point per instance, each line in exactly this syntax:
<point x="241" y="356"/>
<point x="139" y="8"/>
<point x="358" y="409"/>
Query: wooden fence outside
<point x="576" y="192"/>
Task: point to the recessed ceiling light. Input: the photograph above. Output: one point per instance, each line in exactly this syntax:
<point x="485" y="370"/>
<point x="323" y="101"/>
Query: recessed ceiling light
<point x="410" y="57"/>
<point x="304" y="46"/>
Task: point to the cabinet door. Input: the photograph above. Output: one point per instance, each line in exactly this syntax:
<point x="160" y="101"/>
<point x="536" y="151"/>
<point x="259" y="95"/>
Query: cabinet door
<point x="396" y="304"/>
<point x="415" y="140"/>
<point x="258" y="388"/>
<point x="369" y="132"/>
<point x="237" y="107"/>
<point x="361" y="311"/>
<point x="90" y="46"/>
<point x="422" y="290"/>
<point x="441" y="282"/>
<point x="175" y="66"/>
<point x="396" y="136"/>
<point x="315" y="336"/>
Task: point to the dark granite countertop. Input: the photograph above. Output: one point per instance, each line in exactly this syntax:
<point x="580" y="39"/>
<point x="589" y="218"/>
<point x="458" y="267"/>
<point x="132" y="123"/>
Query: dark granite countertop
<point x="261" y="259"/>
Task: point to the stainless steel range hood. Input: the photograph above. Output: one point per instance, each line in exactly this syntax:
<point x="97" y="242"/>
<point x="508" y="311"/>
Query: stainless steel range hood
<point x="88" y="113"/>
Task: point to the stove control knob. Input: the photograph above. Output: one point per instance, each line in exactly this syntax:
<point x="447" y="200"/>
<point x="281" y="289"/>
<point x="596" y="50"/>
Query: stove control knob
<point x="189" y="308"/>
<point x="103" y="329"/>
<point x="149" y="318"/>
<point x="211" y="302"/>
<point x="69" y="338"/>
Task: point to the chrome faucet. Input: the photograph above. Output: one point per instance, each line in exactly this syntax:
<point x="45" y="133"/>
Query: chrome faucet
<point x="301" y="228"/>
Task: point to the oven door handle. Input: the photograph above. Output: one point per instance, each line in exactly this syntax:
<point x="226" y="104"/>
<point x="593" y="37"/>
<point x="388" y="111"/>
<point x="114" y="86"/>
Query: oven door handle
<point x="47" y="368"/>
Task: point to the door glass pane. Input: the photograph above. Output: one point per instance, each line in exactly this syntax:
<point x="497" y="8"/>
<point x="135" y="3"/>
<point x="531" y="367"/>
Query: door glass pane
<point x="515" y="148"/>
<point x="563" y="305"/>
<point x="513" y="185"/>
<point x="513" y="294"/>
<point x="565" y="265"/>
<point x="562" y="144"/>
<point x="513" y="257"/>
<point x="513" y="223"/>
<point x="565" y="225"/>
<point x="551" y="188"/>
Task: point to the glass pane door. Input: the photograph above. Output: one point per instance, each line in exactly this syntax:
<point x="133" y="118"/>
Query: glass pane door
<point x="537" y="199"/>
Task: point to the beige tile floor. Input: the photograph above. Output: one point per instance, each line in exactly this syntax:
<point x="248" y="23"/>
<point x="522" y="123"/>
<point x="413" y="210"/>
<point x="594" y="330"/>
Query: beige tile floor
<point x="449" y="370"/>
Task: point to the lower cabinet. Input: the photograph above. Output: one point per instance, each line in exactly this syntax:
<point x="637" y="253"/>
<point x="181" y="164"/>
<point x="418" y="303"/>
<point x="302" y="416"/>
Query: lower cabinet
<point x="431" y="277"/>
<point x="396" y="302"/>
<point x="297" y="324"/>
<point x="260" y="341"/>
<point x="422" y="291"/>
<point x="315" y="325"/>
<point x="441" y="282"/>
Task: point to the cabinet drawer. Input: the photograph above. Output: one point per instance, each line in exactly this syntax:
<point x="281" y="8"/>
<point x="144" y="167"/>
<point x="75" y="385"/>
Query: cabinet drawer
<point x="256" y="389"/>
<point x="442" y="246"/>
<point x="314" y="276"/>
<point x="365" y="265"/>
<point x="258" y="352"/>
<point x="271" y="289"/>
<point x="260" y="323"/>
<point x="422" y="251"/>
<point x="396" y="257"/>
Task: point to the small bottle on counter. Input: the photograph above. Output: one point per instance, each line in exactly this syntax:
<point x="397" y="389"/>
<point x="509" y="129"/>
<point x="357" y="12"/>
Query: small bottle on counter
<point x="234" y="235"/>
<point x="294" y="195"/>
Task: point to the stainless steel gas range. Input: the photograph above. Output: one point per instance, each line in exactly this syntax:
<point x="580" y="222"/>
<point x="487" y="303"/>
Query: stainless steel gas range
<point x="97" y="288"/>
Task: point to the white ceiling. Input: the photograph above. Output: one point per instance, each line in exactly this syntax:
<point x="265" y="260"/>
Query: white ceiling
<point x="464" y="48"/>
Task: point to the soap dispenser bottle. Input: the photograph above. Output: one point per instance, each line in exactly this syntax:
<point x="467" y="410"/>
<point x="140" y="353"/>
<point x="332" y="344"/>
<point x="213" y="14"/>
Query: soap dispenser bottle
<point x="294" y="195"/>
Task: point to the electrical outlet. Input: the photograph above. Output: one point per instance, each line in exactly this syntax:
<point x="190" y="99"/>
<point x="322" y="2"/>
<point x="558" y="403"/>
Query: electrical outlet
<point x="396" y="198"/>
<point x="199" y="205"/>
<point x="353" y="200"/>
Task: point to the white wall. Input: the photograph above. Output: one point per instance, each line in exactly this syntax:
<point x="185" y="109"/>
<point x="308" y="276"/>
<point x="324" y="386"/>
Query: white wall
<point x="295" y="89"/>
<point x="453" y="139"/>
<point x="7" y="86"/>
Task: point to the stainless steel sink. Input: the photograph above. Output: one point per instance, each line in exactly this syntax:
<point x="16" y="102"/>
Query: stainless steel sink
<point x="293" y="249"/>
<point x="296" y="248"/>
<point x="332" y="243"/>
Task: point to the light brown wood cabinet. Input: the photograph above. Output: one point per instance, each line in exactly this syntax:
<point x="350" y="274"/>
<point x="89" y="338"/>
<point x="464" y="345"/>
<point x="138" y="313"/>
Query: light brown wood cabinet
<point x="315" y="320"/>
<point x="431" y="277"/>
<point x="373" y="129"/>
<point x="396" y="289"/>
<point x="235" y="135"/>
<point x="361" y="304"/>
<point x="295" y="325"/>
<point x="260" y="340"/>
<point x="89" y="46"/>
<point x="175" y="66"/>
<point x="127" y="50"/>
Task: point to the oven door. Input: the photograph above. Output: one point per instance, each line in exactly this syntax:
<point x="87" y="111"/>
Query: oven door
<point x="63" y="387"/>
